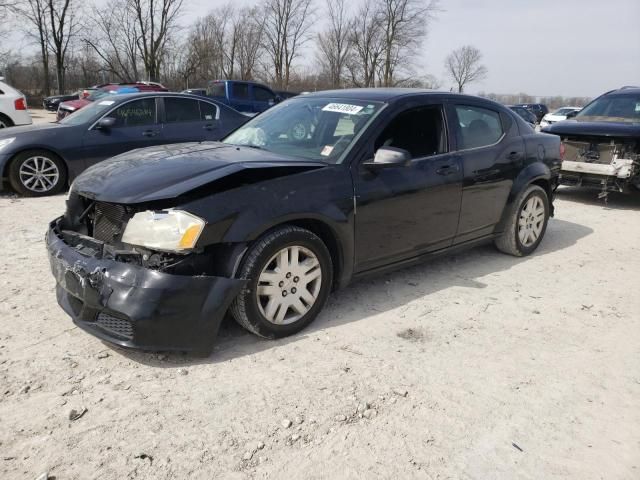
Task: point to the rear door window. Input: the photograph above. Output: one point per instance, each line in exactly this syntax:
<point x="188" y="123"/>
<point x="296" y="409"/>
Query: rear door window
<point x="136" y="113"/>
<point x="177" y="110"/>
<point x="240" y="91"/>
<point x="262" y="94"/>
<point x="208" y="111"/>
<point x="477" y="127"/>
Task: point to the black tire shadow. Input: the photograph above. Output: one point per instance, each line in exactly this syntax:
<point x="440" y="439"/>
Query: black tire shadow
<point x="345" y="306"/>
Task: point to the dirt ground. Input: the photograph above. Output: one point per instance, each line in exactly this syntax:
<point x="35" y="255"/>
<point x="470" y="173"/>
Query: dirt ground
<point x="475" y="366"/>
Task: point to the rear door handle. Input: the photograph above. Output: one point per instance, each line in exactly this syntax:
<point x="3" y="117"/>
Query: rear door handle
<point x="209" y="127"/>
<point x="150" y="133"/>
<point x="447" y="169"/>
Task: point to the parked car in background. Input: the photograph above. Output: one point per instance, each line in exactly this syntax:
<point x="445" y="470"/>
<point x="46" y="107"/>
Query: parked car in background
<point x="538" y="109"/>
<point x="525" y="114"/>
<point x="13" y="106"/>
<point x="246" y="97"/>
<point x="53" y="102"/>
<point x="196" y="91"/>
<point x="283" y="94"/>
<point x="67" y="108"/>
<point x="558" y="115"/>
<point x="157" y="244"/>
<point x="43" y="159"/>
<point x="602" y="143"/>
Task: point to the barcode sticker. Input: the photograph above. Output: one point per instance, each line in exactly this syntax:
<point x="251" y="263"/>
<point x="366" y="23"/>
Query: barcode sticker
<point x="342" y="108"/>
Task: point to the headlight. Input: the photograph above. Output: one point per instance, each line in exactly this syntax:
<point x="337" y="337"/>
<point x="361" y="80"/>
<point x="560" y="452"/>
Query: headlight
<point x="6" y="141"/>
<point x="169" y="230"/>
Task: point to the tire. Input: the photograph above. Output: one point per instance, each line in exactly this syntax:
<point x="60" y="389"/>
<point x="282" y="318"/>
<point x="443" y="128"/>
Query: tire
<point x="24" y="169"/>
<point x="527" y="225"/>
<point x="263" y="267"/>
<point x="5" y="122"/>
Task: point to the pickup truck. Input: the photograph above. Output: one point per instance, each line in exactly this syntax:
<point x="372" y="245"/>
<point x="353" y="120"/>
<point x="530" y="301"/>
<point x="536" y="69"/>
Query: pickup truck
<point x="245" y="97"/>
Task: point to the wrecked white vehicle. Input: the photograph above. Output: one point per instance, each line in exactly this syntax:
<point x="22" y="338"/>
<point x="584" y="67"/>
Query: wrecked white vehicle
<point x="601" y="143"/>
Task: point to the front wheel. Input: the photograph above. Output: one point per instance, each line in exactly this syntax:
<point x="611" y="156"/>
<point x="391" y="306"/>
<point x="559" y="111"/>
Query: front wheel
<point x="290" y="274"/>
<point x="36" y="173"/>
<point x="526" y="227"/>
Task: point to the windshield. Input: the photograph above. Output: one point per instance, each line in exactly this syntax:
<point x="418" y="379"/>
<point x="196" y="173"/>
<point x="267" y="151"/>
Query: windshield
<point x="612" y="108"/>
<point x="310" y="128"/>
<point x="87" y="113"/>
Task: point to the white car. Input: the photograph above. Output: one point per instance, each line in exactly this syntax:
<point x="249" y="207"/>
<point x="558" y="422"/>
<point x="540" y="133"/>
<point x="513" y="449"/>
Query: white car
<point x="13" y="107"/>
<point x="557" y="116"/>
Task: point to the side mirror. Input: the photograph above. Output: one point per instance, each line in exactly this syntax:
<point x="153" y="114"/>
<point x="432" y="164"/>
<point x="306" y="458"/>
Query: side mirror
<point x="105" y="123"/>
<point x="272" y="102"/>
<point x="571" y="114"/>
<point x="387" y="157"/>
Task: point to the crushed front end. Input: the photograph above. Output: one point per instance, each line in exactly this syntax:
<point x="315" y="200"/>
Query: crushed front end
<point x="133" y="296"/>
<point x="609" y="164"/>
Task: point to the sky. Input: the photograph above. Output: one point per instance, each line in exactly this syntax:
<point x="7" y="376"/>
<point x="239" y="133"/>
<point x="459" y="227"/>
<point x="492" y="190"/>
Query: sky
<point x="539" y="47"/>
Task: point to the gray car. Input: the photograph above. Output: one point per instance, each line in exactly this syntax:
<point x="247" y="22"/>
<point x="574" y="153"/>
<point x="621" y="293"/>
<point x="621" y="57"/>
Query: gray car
<point x="43" y="159"/>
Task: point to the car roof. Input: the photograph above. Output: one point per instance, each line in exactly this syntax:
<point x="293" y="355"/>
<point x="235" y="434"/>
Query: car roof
<point x="631" y="90"/>
<point x="379" y="94"/>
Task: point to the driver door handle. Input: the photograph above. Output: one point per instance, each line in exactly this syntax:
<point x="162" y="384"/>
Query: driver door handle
<point x="209" y="126"/>
<point x="150" y="133"/>
<point x="447" y="169"/>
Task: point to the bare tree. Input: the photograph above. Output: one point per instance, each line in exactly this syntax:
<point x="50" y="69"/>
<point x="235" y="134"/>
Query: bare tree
<point x="366" y="46"/>
<point x="404" y="26"/>
<point x="287" y="28"/>
<point x="333" y="43"/>
<point x="36" y="14"/>
<point x="250" y="42"/>
<point x="156" y="20"/>
<point x="113" y="35"/>
<point x="464" y="67"/>
<point x="62" y="29"/>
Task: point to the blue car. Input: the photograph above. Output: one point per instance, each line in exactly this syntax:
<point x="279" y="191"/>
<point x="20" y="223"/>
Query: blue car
<point x="245" y="97"/>
<point x="43" y="159"/>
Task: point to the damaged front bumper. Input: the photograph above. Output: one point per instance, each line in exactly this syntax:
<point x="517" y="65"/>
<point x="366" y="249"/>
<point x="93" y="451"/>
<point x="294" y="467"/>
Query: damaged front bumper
<point x="133" y="306"/>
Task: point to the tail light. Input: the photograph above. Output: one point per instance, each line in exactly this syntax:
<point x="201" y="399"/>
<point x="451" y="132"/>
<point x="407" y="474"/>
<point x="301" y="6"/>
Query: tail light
<point x="20" y="104"/>
<point x="562" y="150"/>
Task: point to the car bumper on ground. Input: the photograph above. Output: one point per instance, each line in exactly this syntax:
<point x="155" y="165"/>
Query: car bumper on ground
<point x="133" y="306"/>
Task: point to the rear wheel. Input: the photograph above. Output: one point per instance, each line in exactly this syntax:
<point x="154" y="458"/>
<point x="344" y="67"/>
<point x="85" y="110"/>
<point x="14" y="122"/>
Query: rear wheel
<point x="290" y="274"/>
<point x="5" y="122"/>
<point x="36" y="173"/>
<point x="526" y="227"/>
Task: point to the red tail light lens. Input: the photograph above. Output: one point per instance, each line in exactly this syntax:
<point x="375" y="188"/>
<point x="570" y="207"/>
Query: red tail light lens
<point x="20" y="104"/>
<point x="562" y="150"/>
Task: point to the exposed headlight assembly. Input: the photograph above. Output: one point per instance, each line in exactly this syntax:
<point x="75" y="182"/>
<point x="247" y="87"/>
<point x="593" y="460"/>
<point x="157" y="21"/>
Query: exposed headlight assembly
<point x="6" y="141"/>
<point x="168" y="230"/>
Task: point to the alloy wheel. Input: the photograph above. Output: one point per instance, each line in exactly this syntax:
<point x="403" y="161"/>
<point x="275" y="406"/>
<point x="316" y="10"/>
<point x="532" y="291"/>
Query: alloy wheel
<point x="39" y="174"/>
<point x="289" y="285"/>
<point x="531" y="221"/>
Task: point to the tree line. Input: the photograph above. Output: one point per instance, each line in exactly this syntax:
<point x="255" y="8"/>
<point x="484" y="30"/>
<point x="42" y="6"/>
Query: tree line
<point x="290" y="44"/>
<point x="293" y="45"/>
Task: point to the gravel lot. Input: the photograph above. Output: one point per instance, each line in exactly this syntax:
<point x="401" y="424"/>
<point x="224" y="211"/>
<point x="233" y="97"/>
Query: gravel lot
<point x="474" y="366"/>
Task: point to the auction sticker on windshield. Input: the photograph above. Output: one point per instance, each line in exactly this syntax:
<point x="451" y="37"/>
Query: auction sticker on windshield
<point x="342" y="108"/>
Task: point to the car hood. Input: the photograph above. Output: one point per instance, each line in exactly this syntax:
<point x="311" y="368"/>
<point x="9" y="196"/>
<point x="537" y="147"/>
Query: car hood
<point x="168" y="171"/>
<point x="75" y="104"/>
<point x="594" y="129"/>
<point x="28" y="130"/>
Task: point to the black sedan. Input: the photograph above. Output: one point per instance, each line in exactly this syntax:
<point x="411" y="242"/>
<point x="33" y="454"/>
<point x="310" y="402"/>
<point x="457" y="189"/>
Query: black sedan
<point x="51" y="103"/>
<point x="525" y="114"/>
<point x="42" y="159"/>
<point x="156" y="245"/>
